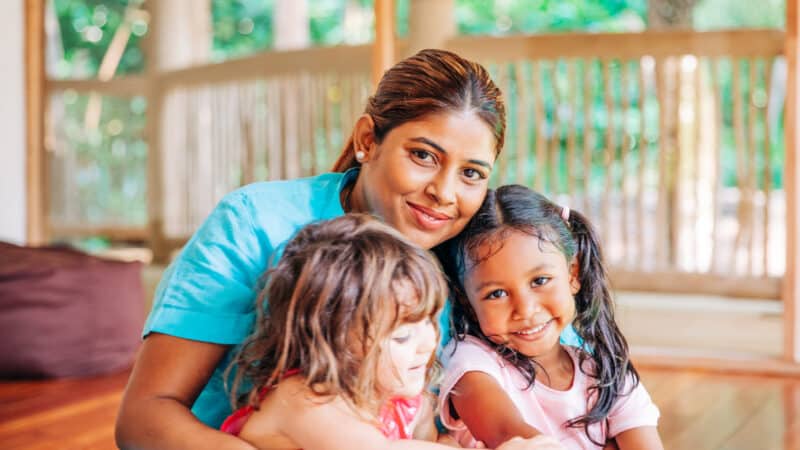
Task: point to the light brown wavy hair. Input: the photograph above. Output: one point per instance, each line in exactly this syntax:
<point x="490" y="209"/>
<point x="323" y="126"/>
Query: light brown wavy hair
<point x="329" y="304"/>
<point x="430" y="82"/>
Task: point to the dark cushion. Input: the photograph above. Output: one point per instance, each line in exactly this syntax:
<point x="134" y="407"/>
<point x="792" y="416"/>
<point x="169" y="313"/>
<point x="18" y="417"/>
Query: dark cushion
<point x="64" y="313"/>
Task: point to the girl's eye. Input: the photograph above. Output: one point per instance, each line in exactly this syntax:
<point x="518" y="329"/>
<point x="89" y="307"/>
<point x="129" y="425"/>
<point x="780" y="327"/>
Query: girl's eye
<point x="541" y="281"/>
<point x="495" y="294"/>
<point x="473" y="174"/>
<point x="401" y="339"/>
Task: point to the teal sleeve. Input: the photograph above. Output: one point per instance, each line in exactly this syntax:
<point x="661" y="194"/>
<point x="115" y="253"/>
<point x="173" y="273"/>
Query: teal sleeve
<point x="570" y="337"/>
<point x="207" y="294"/>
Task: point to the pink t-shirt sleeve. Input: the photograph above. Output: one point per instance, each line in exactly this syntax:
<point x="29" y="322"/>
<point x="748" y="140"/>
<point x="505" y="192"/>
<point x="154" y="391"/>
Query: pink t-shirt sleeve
<point x="632" y="411"/>
<point x="469" y="356"/>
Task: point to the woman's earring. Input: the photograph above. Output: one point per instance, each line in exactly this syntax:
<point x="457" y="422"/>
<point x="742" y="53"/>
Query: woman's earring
<point x="360" y="155"/>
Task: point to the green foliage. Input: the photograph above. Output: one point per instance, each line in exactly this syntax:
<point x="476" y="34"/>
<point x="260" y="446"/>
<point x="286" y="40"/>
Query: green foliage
<point x="86" y="28"/>
<point x="540" y="16"/>
<point x="240" y="27"/>
<point x="110" y="175"/>
<point x="108" y="160"/>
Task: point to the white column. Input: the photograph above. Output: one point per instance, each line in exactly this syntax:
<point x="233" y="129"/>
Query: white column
<point x="12" y="123"/>
<point x="183" y="32"/>
<point x="290" y="22"/>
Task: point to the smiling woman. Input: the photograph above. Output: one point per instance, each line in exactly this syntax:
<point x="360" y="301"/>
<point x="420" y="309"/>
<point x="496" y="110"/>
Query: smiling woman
<point x="419" y="158"/>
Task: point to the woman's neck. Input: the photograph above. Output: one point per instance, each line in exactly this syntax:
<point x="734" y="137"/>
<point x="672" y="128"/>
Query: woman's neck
<point x="352" y="197"/>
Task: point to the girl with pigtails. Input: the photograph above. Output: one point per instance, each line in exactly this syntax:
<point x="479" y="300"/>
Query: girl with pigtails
<point x="522" y="271"/>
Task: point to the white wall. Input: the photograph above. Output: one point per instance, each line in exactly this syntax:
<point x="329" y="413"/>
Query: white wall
<point x="12" y="122"/>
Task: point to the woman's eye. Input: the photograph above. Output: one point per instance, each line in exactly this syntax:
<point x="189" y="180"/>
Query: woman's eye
<point x="497" y="293"/>
<point x="423" y="155"/>
<point x="541" y="281"/>
<point x="473" y="174"/>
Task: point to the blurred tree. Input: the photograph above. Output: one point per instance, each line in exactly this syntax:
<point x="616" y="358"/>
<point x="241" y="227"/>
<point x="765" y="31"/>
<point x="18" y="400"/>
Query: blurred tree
<point x="86" y="27"/>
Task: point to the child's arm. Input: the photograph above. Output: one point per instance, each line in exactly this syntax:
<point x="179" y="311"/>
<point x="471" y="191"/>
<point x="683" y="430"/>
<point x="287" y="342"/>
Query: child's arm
<point x="487" y="411"/>
<point x="314" y="424"/>
<point x="640" y="438"/>
<point x="633" y="419"/>
<point x="424" y="424"/>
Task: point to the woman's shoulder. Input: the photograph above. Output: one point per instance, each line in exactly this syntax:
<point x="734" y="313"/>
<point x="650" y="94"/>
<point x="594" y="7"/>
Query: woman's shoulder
<point x="266" y="193"/>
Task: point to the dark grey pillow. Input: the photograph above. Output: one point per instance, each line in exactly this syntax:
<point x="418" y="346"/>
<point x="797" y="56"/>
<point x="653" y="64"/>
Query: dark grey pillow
<point x="64" y="313"/>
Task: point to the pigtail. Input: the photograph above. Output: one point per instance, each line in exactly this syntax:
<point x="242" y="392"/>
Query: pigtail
<point x="603" y="341"/>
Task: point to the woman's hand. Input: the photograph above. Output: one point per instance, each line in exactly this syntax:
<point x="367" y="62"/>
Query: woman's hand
<point x="168" y="376"/>
<point x="540" y="442"/>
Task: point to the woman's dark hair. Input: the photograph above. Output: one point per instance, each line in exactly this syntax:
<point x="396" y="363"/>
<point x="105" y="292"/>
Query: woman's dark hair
<point x="335" y="295"/>
<point x="516" y="208"/>
<point x="430" y="82"/>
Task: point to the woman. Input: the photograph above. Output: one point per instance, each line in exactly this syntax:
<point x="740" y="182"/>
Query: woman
<point x="419" y="158"/>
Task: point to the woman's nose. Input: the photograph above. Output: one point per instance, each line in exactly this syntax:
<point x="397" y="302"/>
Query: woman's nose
<point x="443" y="189"/>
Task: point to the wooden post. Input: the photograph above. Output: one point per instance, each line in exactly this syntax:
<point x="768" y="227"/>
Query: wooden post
<point x="175" y="39"/>
<point x="430" y="24"/>
<point x="791" y="285"/>
<point x="155" y="201"/>
<point x="383" y="52"/>
<point x="36" y="184"/>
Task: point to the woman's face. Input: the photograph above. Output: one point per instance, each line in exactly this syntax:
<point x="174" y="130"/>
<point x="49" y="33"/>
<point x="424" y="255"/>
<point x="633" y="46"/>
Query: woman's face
<point x="428" y="177"/>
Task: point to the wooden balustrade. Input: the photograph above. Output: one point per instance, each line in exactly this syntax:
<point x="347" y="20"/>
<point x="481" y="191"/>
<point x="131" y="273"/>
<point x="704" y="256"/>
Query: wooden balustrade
<point x="666" y="139"/>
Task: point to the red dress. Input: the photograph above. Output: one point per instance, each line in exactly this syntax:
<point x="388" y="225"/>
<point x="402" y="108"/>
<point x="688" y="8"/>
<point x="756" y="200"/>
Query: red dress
<point x="396" y="417"/>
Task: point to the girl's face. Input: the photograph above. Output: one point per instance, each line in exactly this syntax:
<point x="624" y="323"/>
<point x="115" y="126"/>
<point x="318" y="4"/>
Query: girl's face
<point x="428" y="177"/>
<point x="405" y="356"/>
<point x="523" y="294"/>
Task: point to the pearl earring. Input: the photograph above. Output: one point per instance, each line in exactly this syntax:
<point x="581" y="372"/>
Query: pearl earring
<point x="360" y="155"/>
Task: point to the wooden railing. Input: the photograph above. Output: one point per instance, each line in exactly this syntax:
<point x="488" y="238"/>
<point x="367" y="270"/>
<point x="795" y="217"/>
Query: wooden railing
<point x="668" y="140"/>
<point x="630" y="128"/>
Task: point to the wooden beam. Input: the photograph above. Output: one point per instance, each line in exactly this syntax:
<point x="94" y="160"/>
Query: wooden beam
<point x="36" y="182"/>
<point x="743" y="287"/>
<point x="155" y="100"/>
<point x="115" y="233"/>
<point x="383" y="51"/>
<point x="728" y="43"/>
<point x="791" y="292"/>
<point x="342" y="60"/>
<point x="122" y="86"/>
<point x="730" y="362"/>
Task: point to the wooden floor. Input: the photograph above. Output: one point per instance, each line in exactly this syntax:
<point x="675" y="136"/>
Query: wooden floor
<point x="698" y="411"/>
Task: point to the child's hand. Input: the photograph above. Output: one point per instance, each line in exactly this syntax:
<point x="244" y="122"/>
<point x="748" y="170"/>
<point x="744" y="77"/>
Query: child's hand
<point x="540" y="442"/>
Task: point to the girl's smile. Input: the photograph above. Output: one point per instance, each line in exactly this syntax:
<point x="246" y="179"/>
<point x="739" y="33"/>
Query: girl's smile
<point x="522" y="293"/>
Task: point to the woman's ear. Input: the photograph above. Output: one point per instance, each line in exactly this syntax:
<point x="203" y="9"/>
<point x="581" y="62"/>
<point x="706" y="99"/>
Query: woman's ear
<point x="574" y="276"/>
<point x="364" y="138"/>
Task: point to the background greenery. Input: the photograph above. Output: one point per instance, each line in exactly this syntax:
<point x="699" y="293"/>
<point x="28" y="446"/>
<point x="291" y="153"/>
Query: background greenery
<point x="79" y="32"/>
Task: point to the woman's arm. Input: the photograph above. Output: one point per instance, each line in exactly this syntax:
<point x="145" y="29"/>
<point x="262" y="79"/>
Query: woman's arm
<point x="168" y="376"/>
<point x="640" y="438"/>
<point x="487" y="411"/>
<point x="311" y="423"/>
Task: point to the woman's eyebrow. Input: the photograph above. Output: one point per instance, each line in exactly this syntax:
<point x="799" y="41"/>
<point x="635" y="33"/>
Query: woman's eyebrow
<point x="439" y="148"/>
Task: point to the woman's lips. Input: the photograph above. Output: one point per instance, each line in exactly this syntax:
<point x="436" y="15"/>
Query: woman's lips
<point x="428" y="219"/>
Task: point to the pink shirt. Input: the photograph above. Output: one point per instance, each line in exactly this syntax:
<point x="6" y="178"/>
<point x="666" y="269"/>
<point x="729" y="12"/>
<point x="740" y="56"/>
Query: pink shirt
<point x="544" y="408"/>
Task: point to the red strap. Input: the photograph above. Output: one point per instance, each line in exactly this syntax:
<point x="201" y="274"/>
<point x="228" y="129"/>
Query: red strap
<point x="235" y="422"/>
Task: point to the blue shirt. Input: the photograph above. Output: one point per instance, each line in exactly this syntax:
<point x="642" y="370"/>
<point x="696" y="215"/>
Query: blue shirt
<point x="208" y="293"/>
